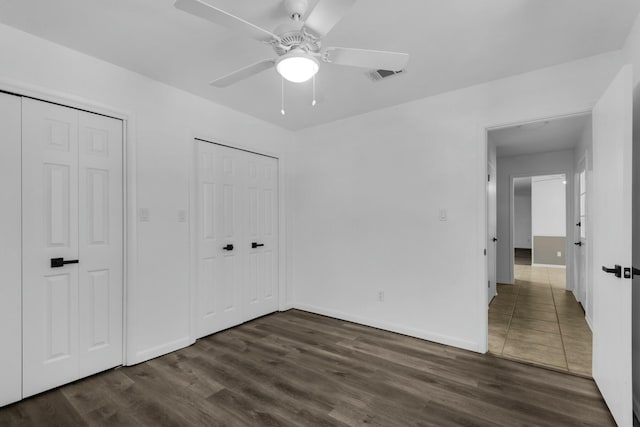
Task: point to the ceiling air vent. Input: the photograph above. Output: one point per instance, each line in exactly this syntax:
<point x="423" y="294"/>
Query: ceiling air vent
<point x="377" y="75"/>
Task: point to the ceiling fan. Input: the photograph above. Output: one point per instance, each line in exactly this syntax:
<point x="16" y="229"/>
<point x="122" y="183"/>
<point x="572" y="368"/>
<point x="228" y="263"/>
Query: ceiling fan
<point x="298" y="43"/>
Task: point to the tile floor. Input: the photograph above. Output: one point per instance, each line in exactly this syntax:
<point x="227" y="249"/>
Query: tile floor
<point x="537" y="321"/>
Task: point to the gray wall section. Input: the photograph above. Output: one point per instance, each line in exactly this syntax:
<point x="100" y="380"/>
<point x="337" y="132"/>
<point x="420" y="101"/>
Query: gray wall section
<point x="546" y="248"/>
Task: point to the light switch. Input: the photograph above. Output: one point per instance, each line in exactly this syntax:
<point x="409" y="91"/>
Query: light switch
<point x="182" y="215"/>
<point x="443" y="214"/>
<point x="144" y="215"/>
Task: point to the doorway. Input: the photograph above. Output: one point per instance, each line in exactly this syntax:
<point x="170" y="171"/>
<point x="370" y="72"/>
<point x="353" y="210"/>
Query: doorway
<point x="535" y="316"/>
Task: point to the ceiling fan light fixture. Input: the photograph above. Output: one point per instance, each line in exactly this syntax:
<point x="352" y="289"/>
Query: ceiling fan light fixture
<point x="297" y="67"/>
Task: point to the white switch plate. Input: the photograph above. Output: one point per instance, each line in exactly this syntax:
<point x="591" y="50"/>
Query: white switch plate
<point x="443" y="215"/>
<point x="182" y="215"/>
<point x="559" y="254"/>
<point x="144" y="215"/>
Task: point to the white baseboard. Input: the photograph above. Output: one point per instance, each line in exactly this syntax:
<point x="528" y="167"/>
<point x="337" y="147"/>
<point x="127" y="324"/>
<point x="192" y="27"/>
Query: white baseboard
<point x="392" y="327"/>
<point x="589" y="322"/>
<point x="549" y="265"/>
<point x="161" y="350"/>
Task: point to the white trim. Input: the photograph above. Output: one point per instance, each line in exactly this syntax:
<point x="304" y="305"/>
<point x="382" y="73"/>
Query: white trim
<point x="161" y="350"/>
<point x="129" y="167"/>
<point x="393" y="327"/>
<point x="552" y="266"/>
<point x="589" y="321"/>
<point x="192" y="136"/>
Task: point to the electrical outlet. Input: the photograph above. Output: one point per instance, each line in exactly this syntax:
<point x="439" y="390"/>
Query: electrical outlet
<point x="182" y="215"/>
<point x="381" y="296"/>
<point x="559" y="254"/>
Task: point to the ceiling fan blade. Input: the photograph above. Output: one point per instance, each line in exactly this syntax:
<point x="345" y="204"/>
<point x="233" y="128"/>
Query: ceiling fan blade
<point x="326" y="15"/>
<point x="218" y="16"/>
<point x="243" y="73"/>
<point x="363" y="58"/>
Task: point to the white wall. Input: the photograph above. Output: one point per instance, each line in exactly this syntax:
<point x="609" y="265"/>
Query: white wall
<point x="549" y="206"/>
<point x="367" y="192"/>
<point x="522" y="219"/>
<point x="163" y="119"/>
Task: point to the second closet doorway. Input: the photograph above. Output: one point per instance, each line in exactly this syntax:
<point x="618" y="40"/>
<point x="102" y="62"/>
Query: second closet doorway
<point x="237" y="236"/>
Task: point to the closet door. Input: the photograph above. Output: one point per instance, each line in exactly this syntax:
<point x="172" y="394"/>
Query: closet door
<point x="10" y="255"/>
<point x="100" y="243"/>
<point x="50" y="219"/>
<point x="72" y="245"/>
<point x="261" y="236"/>
<point x="219" y="241"/>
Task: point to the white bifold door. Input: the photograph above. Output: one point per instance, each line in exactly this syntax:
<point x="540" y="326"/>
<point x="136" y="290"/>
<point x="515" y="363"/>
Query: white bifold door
<point x="237" y="236"/>
<point x="72" y="244"/>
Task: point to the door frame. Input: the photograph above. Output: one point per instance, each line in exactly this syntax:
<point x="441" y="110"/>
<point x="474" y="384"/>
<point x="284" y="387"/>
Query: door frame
<point x="482" y="217"/>
<point x="284" y="297"/>
<point x="129" y="246"/>
<point x="568" y="216"/>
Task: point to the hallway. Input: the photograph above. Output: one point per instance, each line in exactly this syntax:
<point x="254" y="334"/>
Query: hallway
<point x="537" y="321"/>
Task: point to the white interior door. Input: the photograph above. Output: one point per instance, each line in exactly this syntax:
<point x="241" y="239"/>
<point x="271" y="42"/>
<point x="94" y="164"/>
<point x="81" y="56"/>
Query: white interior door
<point x="10" y="252"/>
<point x="219" y="243"/>
<point x="101" y="242"/>
<point x="580" y="236"/>
<point x="72" y="210"/>
<point x="611" y="217"/>
<point x="492" y="228"/>
<point x="261" y="231"/>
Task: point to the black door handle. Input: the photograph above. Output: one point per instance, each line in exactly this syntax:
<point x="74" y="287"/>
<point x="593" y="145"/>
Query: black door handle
<point x="579" y="224"/>
<point x="60" y="262"/>
<point x="229" y="247"/>
<point x="255" y="245"/>
<point x="495" y="239"/>
<point x="578" y="243"/>
<point x="617" y="270"/>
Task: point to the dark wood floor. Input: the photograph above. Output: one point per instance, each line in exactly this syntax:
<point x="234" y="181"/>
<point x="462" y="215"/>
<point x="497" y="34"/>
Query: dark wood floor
<point x="300" y="369"/>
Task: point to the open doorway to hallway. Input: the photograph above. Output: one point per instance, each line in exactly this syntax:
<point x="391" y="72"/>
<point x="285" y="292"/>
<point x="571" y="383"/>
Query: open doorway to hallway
<point x="535" y="316"/>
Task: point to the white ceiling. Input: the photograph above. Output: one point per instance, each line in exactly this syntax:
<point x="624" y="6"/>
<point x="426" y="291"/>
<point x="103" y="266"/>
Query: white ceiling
<point x="453" y="44"/>
<point x="554" y="135"/>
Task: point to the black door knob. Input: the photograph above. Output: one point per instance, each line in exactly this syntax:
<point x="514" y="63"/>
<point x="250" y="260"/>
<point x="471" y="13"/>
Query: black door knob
<point x="495" y="239"/>
<point x="616" y="270"/>
<point x="255" y="245"/>
<point x="60" y="262"/>
<point x="228" y="247"/>
<point x="578" y="243"/>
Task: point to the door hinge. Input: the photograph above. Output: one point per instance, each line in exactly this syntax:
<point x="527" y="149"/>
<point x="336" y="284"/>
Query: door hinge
<point x="489" y="284"/>
<point x="489" y="177"/>
<point x="485" y="252"/>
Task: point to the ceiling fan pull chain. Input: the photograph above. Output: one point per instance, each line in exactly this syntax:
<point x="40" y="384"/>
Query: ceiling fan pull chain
<point x="313" y="103"/>
<point x="282" y="97"/>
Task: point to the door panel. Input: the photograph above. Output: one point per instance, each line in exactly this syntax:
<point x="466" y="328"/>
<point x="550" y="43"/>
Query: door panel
<point x="100" y="234"/>
<point x="10" y="251"/>
<point x="219" y="272"/>
<point x="261" y="228"/>
<point x="72" y="209"/>
<point x="50" y="218"/>
<point x="611" y="225"/>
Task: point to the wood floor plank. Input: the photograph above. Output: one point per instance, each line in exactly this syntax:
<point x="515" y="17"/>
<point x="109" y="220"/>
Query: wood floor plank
<point x="300" y="369"/>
